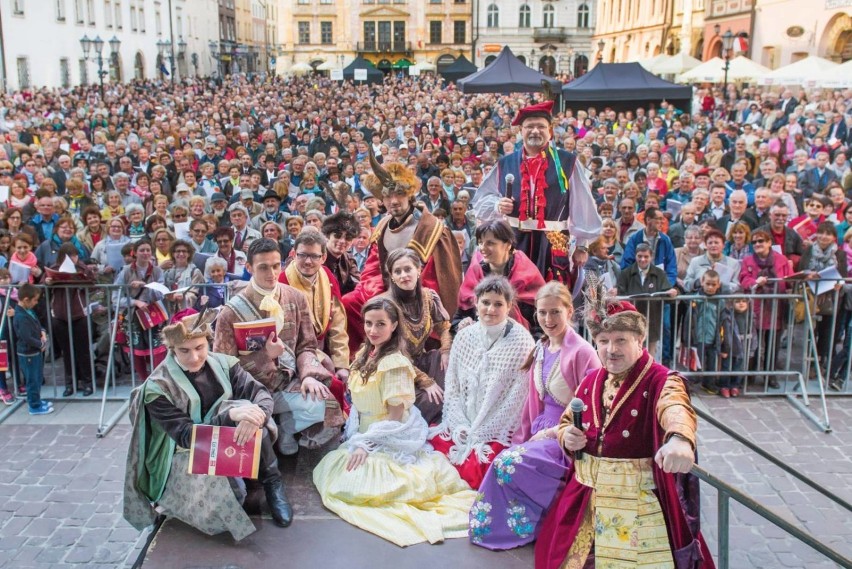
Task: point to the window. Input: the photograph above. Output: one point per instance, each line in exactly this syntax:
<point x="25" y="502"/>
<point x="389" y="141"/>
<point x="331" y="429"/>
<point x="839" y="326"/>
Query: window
<point x="398" y="36"/>
<point x="435" y="1"/>
<point x="84" y="73"/>
<point x="493" y="16"/>
<point x="435" y="31"/>
<point x="133" y="24"/>
<point x="158" y="24"/>
<point x="141" y="19"/>
<point x="549" y="14"/>
<point x="369" y="35"/>
<point x="583" y="16"/>
<point x="64" y="72"/>
<point x="23" y="73"/>
<point x="326" y="33"/>
<point x="459" y="31"/>
<point x="524" y="16"/>
<point x="79" y="15"/>
<point x="304" y="33"/>
<point x="60" y="17"/>
<point x="304" y="2"/>
<point x="90" y="10"/>
<point x="18" y="7"/>
<point x="108" y="14"/>
<point x="119" y="25"/>
<point x="326" y="1"/>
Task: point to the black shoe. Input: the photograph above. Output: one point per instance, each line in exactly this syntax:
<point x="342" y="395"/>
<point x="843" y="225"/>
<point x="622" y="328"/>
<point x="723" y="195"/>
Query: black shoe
<point x="87" y="391"/>
<point x="280" y="508"/>
<point x="773" y="383"/>
<point x="836" y="384"/>
<point x="69" y="391"/>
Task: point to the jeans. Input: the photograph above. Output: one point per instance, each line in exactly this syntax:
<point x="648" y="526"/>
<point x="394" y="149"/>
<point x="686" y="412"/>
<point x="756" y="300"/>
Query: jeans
<point x="32" y="368"/>
<point x="708" y="353"/>
<point x="734" y="363"/>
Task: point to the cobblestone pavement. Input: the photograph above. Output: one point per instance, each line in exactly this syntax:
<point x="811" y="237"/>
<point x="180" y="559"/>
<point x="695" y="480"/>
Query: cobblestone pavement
<point x="60" y="489"/>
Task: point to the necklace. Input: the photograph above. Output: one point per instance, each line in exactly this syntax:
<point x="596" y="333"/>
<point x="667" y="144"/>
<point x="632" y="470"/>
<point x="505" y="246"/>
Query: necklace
<point x="416" y="328"/>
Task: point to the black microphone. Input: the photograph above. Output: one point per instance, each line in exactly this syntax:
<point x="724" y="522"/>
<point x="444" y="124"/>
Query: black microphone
<point x="577" y="407"/>
<point x="510" y="180"/>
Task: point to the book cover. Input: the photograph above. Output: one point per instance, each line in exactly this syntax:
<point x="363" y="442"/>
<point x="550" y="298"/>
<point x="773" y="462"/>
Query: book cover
<point x="252" y="336"/>
<point x="59" y="277"/>
<point x="214" y="452"/>
<point x="4" y="356"/>
<point x="154" y="315"/>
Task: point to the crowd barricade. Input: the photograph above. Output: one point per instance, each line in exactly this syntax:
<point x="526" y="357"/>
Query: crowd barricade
<point x="111" y="371"/>
<point x="778" y="351"/>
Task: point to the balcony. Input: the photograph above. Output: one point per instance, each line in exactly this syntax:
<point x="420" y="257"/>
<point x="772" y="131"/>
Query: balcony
<point x="383" y="47"/>
<point x="550" y="34"/>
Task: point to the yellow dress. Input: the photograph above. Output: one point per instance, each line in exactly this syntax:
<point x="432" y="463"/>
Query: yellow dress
<point x="403" y="503"/>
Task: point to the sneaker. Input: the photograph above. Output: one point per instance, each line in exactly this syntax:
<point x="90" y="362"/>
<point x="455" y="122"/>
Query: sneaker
<point x="6" y="397"/>
<point x="22" y="390"/>
<point x="773" y="383"/>
<point x="43" y="409"/>
<point x="725" y="392"/>
<point x="735" y="392"/>
<point x="709" y="389"/>
<point x="836" y="384"/>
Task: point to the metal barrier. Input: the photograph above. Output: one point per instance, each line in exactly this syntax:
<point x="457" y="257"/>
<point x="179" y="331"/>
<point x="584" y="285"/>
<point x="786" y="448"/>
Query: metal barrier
<point x="726" y="493"/>
<point x="776" y="352"/>
<point x="105" y="306"/>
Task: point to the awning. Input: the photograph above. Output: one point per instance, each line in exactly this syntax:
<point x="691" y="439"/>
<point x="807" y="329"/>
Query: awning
<point x="402" y="64"/>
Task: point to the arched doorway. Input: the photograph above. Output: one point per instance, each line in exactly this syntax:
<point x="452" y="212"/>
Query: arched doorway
<point x="444" y="61"/>
<point x="522" y="59"/>
<point x="139" y="66"/>
<point x="489" y="59"/>
<point x="384" y="65"/>
<point x="836" y="41"/>
<point x="547" y="65"/>
<point x="698" y="51"/>
<point x="115" y="74"/>
<point x="581" y="65"/>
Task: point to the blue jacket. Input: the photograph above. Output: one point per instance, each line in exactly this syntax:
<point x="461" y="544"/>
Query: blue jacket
<point x="664" y="255"/>
<point x="27" y="332"/>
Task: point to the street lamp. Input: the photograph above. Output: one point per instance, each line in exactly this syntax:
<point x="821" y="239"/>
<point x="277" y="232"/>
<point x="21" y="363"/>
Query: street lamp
<point x="214" y="51"/>
<point x="601" y="45"/>
<point x="98" y="45"/>
<point x="727" y="46"/>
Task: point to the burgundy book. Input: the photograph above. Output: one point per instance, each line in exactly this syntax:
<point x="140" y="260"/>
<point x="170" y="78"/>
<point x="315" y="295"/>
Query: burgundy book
<point x="214" y="452"/>
<point x="252" y="336"/>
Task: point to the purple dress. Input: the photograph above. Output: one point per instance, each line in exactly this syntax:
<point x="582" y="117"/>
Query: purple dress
<point x="521" y="483"/>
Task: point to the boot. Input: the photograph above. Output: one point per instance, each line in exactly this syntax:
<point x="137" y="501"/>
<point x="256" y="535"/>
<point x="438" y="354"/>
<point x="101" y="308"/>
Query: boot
<point x="273" y="486"/>
<point x="280" y="508"/>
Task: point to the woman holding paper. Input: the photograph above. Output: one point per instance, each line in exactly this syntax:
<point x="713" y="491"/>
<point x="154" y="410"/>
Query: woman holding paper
<point x="821" y="257"/>
<point x="69" y="317"/>
<point x="64" y="231"/>
<point x="181" y="274"/>
<point x="107" y="253"/>
<point x="139" y="323"/>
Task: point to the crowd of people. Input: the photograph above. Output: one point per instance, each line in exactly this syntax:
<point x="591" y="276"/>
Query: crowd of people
<point x="408" y="306"/>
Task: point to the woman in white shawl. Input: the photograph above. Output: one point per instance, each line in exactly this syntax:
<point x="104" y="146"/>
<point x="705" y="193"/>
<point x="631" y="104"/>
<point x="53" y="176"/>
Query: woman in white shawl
<point x="485" y="387"/>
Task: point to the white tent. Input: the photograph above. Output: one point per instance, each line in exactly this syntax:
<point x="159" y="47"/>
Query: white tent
<point x="300" y="68"/>
<point x="804" y="71"/>
<point x="675" y="64"/>
<point x="713" y="71"/>
<point x="425" y="66"/>
<point x="651" y="61"/>
<point x="326" y="66"/>
<point x="833" y="77"/>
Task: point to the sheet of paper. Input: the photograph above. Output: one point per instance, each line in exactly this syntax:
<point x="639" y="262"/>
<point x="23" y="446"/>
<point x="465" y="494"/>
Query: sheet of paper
<point x="19" y="273"/>
<point x="608" y="281"/>
<point x="726" y="273"/>
<point x="158" y="287"/>
<point x="182" y="230"/>
<point x="4" y="193"/>
<point x="673" y="207"/>
<point x="828" y="278"/>
<point x="67" y="266"/>
<point x="777" y="249"/>
<point x="114" y="257"/>
<point x="661" y="266"/>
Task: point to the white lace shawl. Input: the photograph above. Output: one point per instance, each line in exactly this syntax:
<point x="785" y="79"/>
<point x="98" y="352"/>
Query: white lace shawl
<point x="485" y="391"/>
<point x="402" y="441"/>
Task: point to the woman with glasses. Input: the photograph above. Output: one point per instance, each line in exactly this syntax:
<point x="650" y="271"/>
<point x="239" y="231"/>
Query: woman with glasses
<point x="181" y="274"/>
<point x="180" y="213"/>
<point x="20" y="198"/>
<point x="64" y="231"/>
<point x="13" y="222"/>
<point x="198" y="230"/>
<point x="162" y="240"/>
<point x="236" y="260"/>
<point x="114" y="239"/>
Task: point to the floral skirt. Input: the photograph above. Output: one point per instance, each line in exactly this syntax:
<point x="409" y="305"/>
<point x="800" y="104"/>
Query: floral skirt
<point x="514" y="497"/>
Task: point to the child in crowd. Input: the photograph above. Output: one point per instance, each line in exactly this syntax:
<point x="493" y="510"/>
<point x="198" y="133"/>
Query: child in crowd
<point x="5" y="280"/>
<point x="704" y="335"/>
<point x="736" y="340"/>
<point x="24" y="255"/>
<point x="30" y="343"/>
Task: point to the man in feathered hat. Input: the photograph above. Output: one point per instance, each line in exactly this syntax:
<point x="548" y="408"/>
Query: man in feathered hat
<point x="406" y="226"/>
<point x="551" y="198"/>
<point x="193" y="386"/>
<point x="629" y="495"/>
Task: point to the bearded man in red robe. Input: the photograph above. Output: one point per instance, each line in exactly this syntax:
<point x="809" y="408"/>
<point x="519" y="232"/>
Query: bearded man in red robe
<point x="629" y="500"/>
<point x="405" y="226"/>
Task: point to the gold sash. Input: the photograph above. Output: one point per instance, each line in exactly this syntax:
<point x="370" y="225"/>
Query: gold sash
<point x="317" y="294"/>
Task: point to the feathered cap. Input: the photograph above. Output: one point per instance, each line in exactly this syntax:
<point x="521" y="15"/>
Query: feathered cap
<point x="543" y="110"/>
<point x="603" y="313"/>
<point x="396" y="178"/>
<point x="188" y="324"/>
<point x="341" y="222"/>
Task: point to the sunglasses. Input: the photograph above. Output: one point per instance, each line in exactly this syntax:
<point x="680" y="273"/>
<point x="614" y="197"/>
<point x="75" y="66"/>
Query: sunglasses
<point x="759" y="241"/>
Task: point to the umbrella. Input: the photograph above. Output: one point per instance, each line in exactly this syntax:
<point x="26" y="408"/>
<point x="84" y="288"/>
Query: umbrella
<point x="326" y="66"/>
<point x="837" y="76"/>
<point x="426" y="66"/>
<point x="675" y="64"/>
<point x="652" y="61"/>
<point x="300" y="68"/>
<point x="805" y="70"/>
<point x="741" y="69"/>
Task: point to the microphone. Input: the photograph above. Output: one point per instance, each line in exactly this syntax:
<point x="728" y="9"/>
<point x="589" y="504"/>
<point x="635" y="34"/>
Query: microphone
<point x="577" y="407"/>
<point x="510" y="180"/>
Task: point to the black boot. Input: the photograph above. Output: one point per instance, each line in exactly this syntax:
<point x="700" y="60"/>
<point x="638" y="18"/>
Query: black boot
<point x="280" y="508"/>
<point x="273" y="486"/>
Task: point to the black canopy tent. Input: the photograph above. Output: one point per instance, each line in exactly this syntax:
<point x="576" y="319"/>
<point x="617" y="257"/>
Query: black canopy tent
<point x="507" y="74"/>
<point x="373" y="74"/>
<point x="460" y="68"/>
<point x="624" y="86"/>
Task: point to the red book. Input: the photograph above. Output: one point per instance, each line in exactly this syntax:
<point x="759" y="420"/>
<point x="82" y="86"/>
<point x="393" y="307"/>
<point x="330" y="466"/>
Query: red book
<point x="4" y="356"/>
<point x="252" y="336"/>
<point x="59" y="277"/>
<point x="215" y="452"/>
<point x="154" y="315"/>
